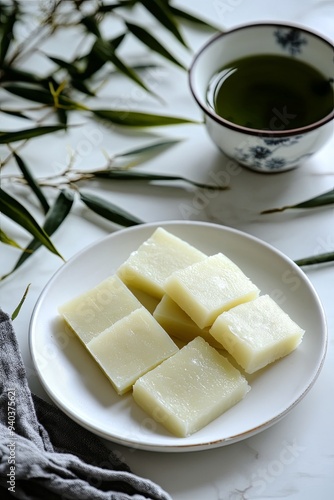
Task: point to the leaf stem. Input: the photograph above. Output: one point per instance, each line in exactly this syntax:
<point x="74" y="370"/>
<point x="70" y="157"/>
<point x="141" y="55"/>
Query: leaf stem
<point x="275" y="210"/>
<point x="316" y="259"/>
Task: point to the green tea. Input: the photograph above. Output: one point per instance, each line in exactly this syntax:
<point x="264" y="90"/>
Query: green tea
<point x="270" y="92"/>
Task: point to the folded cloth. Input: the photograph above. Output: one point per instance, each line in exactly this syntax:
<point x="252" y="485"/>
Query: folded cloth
<point x="44" y="455"/>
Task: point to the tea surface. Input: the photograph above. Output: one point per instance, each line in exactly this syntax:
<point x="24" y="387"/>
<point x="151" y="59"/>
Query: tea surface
<point x="270" y="92"/>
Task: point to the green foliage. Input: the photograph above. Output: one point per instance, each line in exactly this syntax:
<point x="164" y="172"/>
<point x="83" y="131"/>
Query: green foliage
<point x="108" y="210"/>
<point x="322" y="258"/>
<point x="318" y="201"/>
<point x="13" y="209"/>
<point x="54" y="218"/>
<point x="20" y="304"/>
<point x="321" y="200"/>
<point x="19" y="135"/>
<point x="63" y="91"/>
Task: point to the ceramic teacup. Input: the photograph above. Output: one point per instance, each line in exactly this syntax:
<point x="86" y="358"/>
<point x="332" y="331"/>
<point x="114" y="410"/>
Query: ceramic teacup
<point x="278" y="146"/>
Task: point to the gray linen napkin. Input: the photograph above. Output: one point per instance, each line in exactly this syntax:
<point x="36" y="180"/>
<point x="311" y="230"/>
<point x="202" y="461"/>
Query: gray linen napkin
<point x="44" y="455"/>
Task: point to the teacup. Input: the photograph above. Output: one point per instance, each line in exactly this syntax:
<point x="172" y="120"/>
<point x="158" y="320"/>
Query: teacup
<point x="277" y="144"/>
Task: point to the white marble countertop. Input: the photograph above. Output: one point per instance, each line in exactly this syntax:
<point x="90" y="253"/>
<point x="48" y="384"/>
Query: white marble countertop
<point x="294" y="458"/>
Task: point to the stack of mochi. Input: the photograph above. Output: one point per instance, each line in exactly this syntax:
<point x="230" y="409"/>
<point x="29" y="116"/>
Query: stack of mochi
<point x="167" y="325"/>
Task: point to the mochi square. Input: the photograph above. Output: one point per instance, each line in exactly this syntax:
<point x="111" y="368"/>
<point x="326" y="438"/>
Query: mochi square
<point x="148" y="267"/>
<point x="207" y="288"/>
<point x="178" y="324"/>
<point x="190" y="389"/>
<point x="257" y="333"/>
<point x="98" y="308"/>
<point x="130" y="347"/>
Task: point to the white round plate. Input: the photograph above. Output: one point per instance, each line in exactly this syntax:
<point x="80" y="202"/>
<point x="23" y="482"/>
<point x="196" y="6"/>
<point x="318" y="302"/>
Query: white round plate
<point x="77" y="385"/>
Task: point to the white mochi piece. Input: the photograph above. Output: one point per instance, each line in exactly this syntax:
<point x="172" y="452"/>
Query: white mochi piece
<point x="257" y="333"/>
<point x="207" y="288"/>
<point x="130" y="347"/>
<point x="190" y="389"/>
<point x="178" y="324"/>
<point x="148" y="267"/>
<point x="98" y="308"/>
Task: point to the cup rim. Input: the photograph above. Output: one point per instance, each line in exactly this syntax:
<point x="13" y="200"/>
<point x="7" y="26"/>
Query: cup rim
<point x="241" y="128"/>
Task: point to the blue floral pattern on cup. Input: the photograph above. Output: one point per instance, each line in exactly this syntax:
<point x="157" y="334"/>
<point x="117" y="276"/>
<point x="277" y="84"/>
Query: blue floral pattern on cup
<point x="290" y="40"/>
<point x="268" y="155"/>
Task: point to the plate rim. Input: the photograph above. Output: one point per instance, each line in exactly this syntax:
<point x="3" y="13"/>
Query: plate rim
<point x="182" y="447"/>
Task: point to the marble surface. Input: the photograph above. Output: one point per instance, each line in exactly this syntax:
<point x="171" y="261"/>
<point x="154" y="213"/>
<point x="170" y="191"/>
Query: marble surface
<point x="294" y="458"/>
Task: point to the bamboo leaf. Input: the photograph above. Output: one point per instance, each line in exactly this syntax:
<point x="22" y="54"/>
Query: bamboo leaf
<point x="78" y="84"/>
<point x="112" y="6"/>
<point x="7" y="33"/>
<point x="32" y="183"/>
<point x="94" y="61"/>
<point x="108" y="210"/>
<point x="59" y="211"/>
<point x="138" y="119"/>
<point x="4" y="238"/>
<point x="62" y="116"/>
<point x="136" y="156"/>
<point x="318" y="201"/>
<point x="161" y="11"/>
<point x="70" y="67"/>
<point x="42" y="95"/>
<point x="316" y="259"/>
<point x="19" y="135"/>
<point x="64" y="64"/>
<point x="107" y="53"/>
<point x="10" y="73"/>
<point x="116" y="42"/>
<point x="182" y="14"/>
<point x="90" y="23"/>
<point x="18" y="213"/>
<point x="124" y="175"/>
<point x="31" y="93"/>
<point x="139" y="67"/>
<point x="54" y="218"/>
<point x="152" y="43"/>
<point x="18" y="308"/>
<point x="18" y="114"/>
<point x="149" y="150"/>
